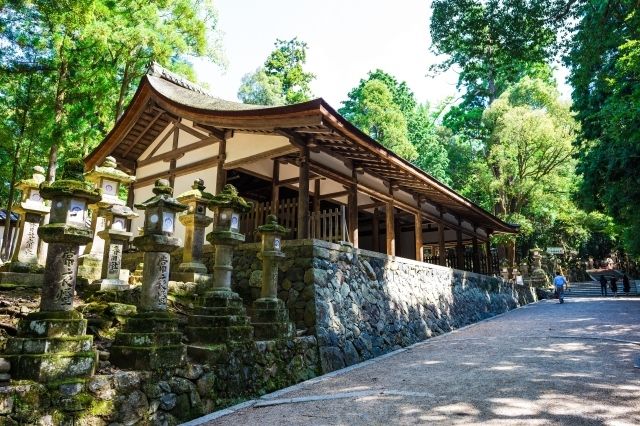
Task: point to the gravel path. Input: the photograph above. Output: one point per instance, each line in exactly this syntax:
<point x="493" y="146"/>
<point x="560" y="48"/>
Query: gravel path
<point x="544" y="364"/>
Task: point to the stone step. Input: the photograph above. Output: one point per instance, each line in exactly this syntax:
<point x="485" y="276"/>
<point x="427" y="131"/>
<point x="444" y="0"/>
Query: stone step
<point x="21" y="345"/>
<point x="147" y="358"/>
<point x="219" y="312"/>
<point x="272" y="330"/>
<point x="217" y="321"/>
<point x="148" y="339"/>
<point x="144" y="323"/>
<point x="213" y="335"/>
<point x="52" y="366"/>
<point x="51" y="327"/>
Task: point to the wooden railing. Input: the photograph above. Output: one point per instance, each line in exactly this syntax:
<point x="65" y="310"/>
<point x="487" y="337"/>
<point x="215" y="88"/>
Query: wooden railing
<point x="327" y="225"/>
<point x="486" y="265"/>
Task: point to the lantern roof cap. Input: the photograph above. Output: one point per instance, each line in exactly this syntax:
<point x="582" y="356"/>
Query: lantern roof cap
<point x="125" y="211"/>
<point x="108" y="169"/>
<point x="272" y="226"/>
<point x="34" y="181"/>
<point x="197" y="191"/>
<point x="163" y="197"/>
<point x="229" y="197"/>
<point x="71" y="183"/>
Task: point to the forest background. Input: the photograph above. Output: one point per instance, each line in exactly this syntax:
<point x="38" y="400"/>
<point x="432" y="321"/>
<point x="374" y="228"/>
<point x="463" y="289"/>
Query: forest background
<point x="564" y="171"/>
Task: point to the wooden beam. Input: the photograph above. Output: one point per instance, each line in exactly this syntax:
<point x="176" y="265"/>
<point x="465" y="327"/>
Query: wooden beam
<point x="303" y="194"/>
<point x="390" y="229"/>
<point x="178" y="171"/>
<point x="147" y="127"/>
<point x="169" y="133"/>
<point x="375" y="230"/>
<point x="476" y="254"/>
<point x="442" y="250"/>
<point x="316" y="206"/>
<point x="275" y="187"/>
<point x="277" y="152"/>
<point x="173" y="163"/>
<point x="221" y="173"/>
<point x="192" y="131"/>
<point x="459" y="250"/>
<point x="418" y="232"/>
<point x="178" y="152"/>
<point x="332" y="194"/>
<point x="352" y="207"/>
<point x="290" y="181"/>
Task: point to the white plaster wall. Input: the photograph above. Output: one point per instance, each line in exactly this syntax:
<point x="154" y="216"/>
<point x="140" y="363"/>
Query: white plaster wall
<point x="243" y="145"/>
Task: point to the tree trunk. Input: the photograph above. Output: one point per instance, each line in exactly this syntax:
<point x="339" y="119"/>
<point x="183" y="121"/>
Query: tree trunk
<point x="6" y="243"/>
<point x="57" y="133"/>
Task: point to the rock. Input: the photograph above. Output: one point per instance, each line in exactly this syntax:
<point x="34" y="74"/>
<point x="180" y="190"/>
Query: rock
<point x="103" y="355"/>
<point x="256" y="279"/>
<point x="126" y="380"/>
<point x="205" y="384"/>
<point x="100" y="386"/>
<point x="70" y="389"/>
<point x="331" y="359"/>
<point x="5" y="366"/>
<point x="168" y="401"/>
<point x="351" y="355"/>
<point x="133" y="408"/>
<point x="314" y="275"/>
<point x="191" y="371"/>
<point x="5" y="377"/>
<point x="180" y="385"/>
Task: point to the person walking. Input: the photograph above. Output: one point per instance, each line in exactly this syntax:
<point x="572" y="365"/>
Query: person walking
<point x="626" y="285"/>
<point x="614" y="285"/>
<point x="559" y="283"/>
<point x="603" y="285"/>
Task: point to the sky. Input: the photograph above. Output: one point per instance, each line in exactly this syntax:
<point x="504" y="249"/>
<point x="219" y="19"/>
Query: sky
<point x="346" y="39"/>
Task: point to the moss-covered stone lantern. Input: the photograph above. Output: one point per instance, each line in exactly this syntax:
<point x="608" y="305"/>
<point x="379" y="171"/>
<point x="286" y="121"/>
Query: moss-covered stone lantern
<point x="150" y="339"/>
<point x="270" y="318"/>
<point x="115" y="235"/>
<point x="195" y="220"/>
<point x="25" y="267"/>
<point x="51" y="344"/>
<point x="221" y="317"/>
<point x="109" y="179"/>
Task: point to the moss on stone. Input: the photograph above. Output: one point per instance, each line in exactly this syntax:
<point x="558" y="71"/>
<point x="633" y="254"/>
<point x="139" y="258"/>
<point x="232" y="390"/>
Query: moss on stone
<point x="229" y="198"/>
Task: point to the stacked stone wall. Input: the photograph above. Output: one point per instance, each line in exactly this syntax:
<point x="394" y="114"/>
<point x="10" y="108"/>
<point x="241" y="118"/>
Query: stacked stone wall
<point x="163" y="398"/>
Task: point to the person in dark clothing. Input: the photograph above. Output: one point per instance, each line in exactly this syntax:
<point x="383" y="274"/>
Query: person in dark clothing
<point x="603" y="285"/>
<point x="626" y="285"/>
<point x="614" y="286"/>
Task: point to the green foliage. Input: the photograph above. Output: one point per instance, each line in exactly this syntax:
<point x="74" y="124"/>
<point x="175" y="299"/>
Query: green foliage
<point x="282" y="79"/>
<point x="258" y="88"/>
<point x="386" y="109"/>
<point x="492" y="43"/>
<point x="84" y="59"/>
<point x="605" y="75"/>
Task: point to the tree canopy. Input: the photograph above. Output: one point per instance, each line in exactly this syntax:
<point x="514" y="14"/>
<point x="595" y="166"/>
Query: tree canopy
<point x="282" y="79"/>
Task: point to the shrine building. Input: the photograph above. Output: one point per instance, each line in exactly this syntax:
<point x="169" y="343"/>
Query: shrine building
<point x="320" y="175"/>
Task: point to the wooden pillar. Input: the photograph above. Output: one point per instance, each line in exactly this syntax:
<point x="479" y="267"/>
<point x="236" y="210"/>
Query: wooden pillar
<point x="459" y="250"/>
<point x="375" y="230"/>
<point x="442" y="251"/>
<point x="316" y="209"/>
<point x="303" y="194"/>
<point x="418" y="231"/>
<point x="476" y="255"/>
<point x="221" y="173"/>
<point x="275" y="187"/>
<point x="352" y="206"/>
<point x="391" y="230"/>
<point x="489" y="258"/>
<point x="173" y="162"/>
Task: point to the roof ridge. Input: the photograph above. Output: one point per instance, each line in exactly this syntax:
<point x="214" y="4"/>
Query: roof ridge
<point x="157" y="70"/>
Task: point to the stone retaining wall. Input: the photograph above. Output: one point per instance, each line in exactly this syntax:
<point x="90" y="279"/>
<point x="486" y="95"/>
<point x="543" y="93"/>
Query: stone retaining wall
<point x="361" y="304"/>
<point x="167" y="398"/>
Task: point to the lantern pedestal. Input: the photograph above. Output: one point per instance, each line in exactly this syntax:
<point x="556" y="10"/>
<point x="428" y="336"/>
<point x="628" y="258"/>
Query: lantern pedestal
<point x="52" y="344"/>
<point x="270" y="320"/>
<point x="150" y="340"/>
<point x="24" y="268"/>
<point x="221" y="317"/>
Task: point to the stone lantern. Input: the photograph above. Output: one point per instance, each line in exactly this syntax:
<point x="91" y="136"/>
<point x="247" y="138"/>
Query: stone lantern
<point x="222" y="317"/>
<point x="270" y="318"/>
<point x="539" y="278"/>
<point x="150" y="339"/>
<point x="51" y="344"/>
<point x="109" y="180"/>
<point x="195" y="220"/>
<point x="24" y="267"/>
<point x="114" y="235"/>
